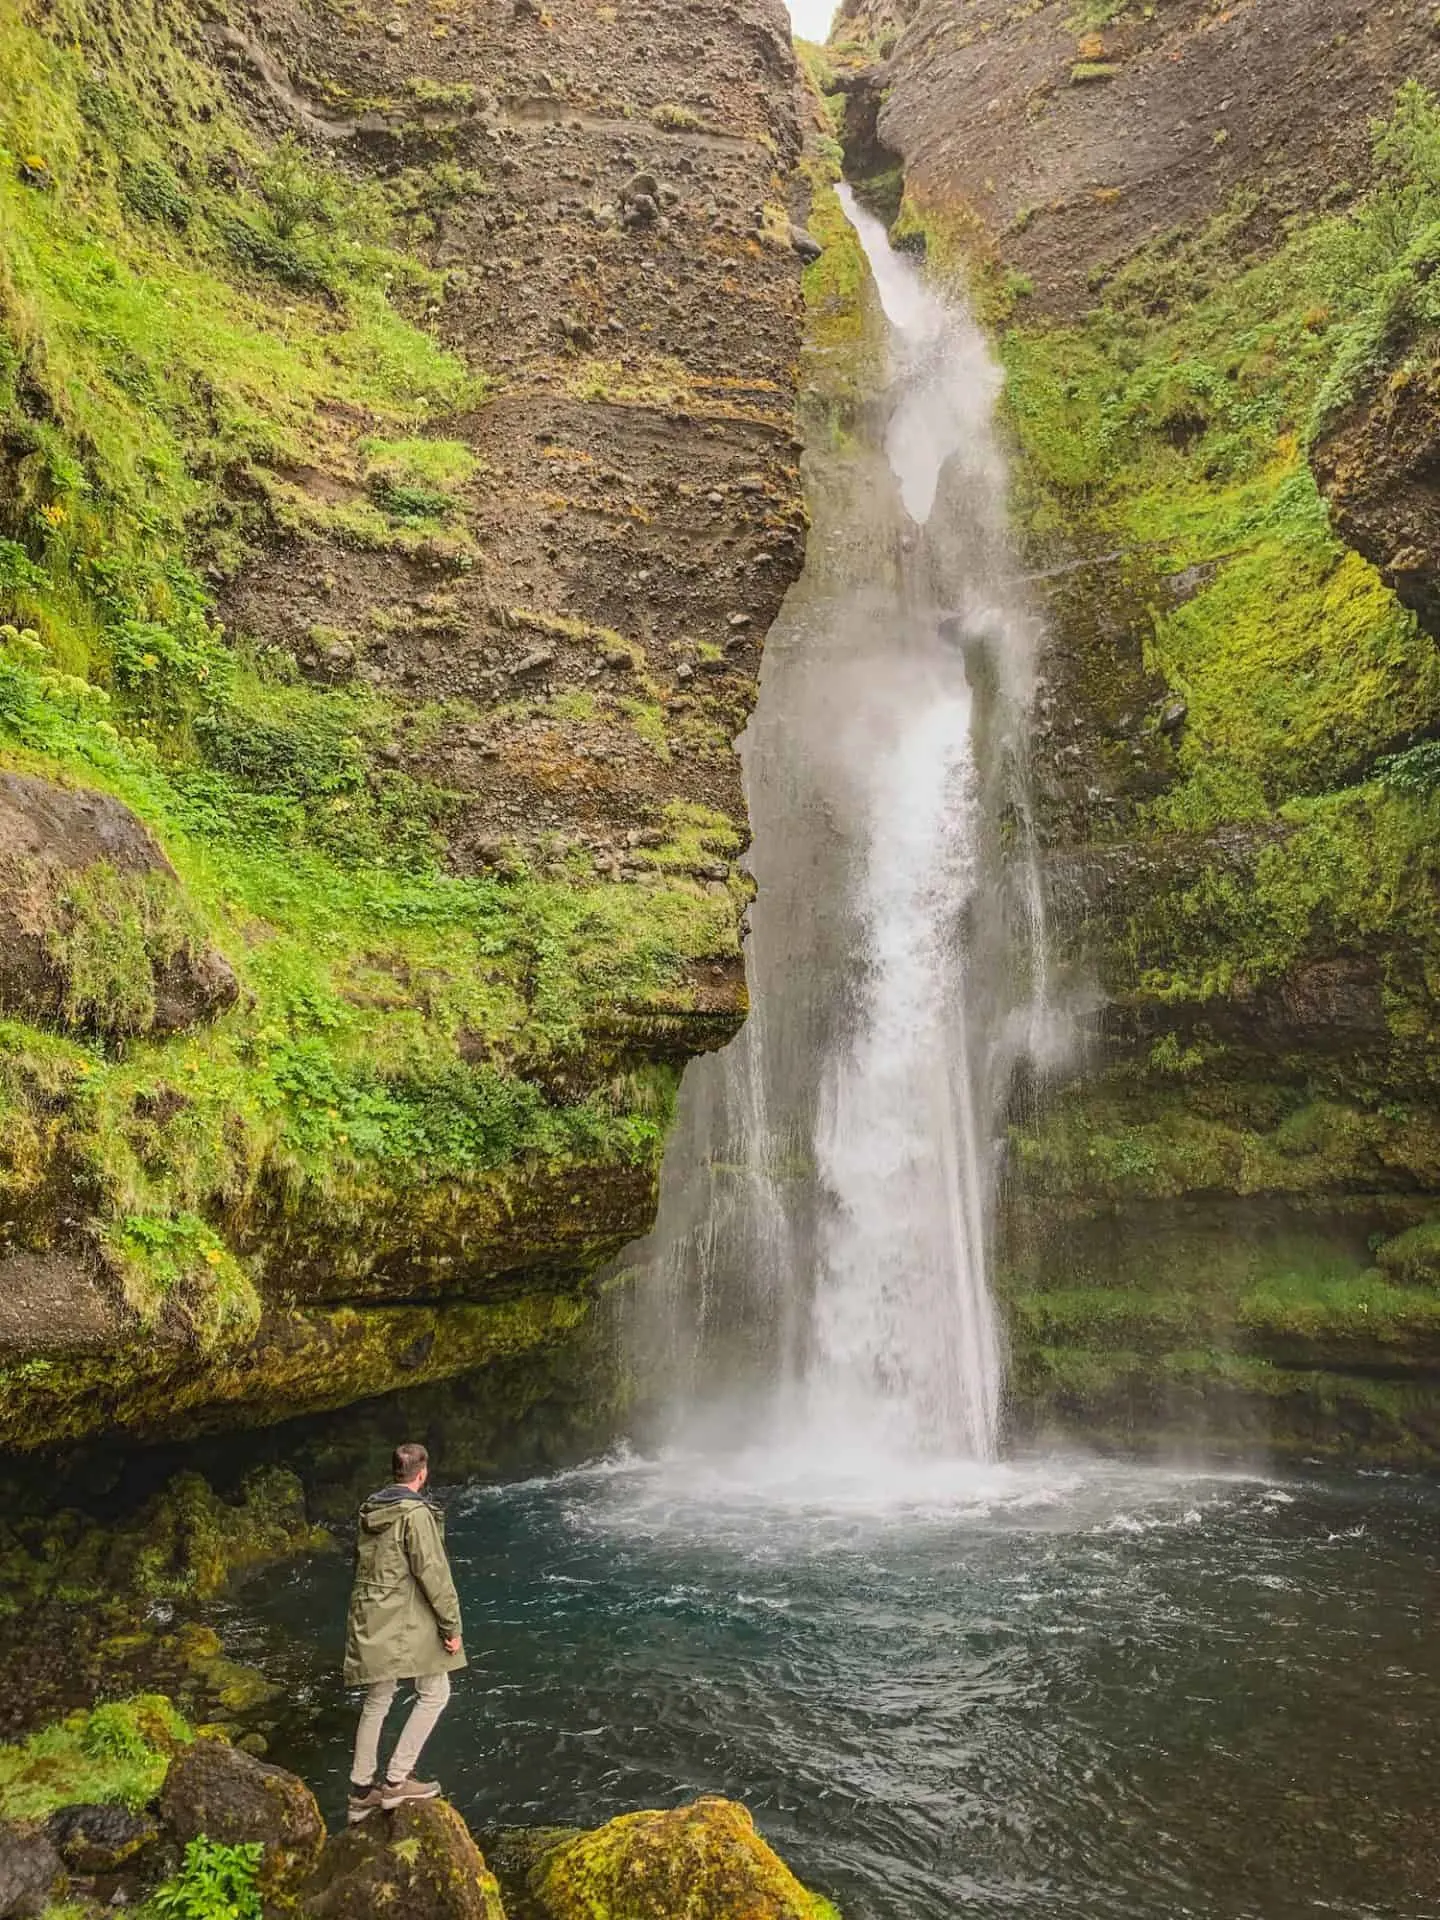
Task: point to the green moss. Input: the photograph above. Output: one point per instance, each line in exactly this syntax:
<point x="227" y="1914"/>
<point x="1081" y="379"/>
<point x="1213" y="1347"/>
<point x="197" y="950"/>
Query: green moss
<point x="705" y="1859"/>
<point x="310" y="1360"/>
<point x="1231" y="1405"/>
<point x="1119" y="1139"/>
<point x="1295" y="826"/>
<point x="119" y="1752"/>
<point x="1412" y="1257"/>
<point x="185" y="1544"/>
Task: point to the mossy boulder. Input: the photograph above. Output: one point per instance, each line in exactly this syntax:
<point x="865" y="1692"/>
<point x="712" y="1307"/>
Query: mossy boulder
<point x="700" y="1862"/>
<point x="419" y="1862"/>
<point x="94" y="930"/>
<point x="215" y="1790"/>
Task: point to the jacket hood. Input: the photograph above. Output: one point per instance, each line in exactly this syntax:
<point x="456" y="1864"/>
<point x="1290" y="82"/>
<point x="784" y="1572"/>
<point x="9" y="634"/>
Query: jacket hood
<point x="384" y="1508"/>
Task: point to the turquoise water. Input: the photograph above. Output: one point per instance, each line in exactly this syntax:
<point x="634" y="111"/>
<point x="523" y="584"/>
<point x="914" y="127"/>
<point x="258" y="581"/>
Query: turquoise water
<point x="1052" y="1688"/>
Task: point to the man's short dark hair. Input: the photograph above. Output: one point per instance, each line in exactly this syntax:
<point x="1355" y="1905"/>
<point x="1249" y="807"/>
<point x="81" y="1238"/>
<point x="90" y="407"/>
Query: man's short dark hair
<point x="407" y="1460"/>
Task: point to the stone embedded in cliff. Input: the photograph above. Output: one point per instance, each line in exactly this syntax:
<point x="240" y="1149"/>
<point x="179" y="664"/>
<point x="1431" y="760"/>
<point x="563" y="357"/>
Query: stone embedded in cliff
<point x="704" y="1859"/>
<point x="94" y="929"/>
<point x="215" y="1790"/>
<point x="53" y="1303"/>
<point x="418" y="1863"/>
<point x="1379" y="468"/>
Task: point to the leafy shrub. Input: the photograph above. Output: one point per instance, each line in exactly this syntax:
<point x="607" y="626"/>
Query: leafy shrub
<point x="18" y="572"/>
<point x="1417" y="771"/>
<point x="216" y="1882"/>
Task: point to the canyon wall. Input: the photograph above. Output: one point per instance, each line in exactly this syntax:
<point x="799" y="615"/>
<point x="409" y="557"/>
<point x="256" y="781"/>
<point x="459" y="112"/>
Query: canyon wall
<point x="1204" y="236"/>
<point x="398" y="475"/>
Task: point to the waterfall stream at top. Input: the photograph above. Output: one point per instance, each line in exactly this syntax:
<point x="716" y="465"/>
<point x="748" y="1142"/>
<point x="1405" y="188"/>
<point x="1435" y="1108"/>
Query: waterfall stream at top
<point x="817" y="1287"/>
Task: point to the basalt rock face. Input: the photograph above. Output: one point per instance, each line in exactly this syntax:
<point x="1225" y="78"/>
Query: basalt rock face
<point x="1074" y="135"/>
<point x="399" y="478"/>
<point x="1203" y="238"/>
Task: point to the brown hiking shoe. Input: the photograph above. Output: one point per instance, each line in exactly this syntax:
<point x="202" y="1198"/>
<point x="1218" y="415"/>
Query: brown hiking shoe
<point x="396" y="1793"/>
<point x="363" y="1802"/>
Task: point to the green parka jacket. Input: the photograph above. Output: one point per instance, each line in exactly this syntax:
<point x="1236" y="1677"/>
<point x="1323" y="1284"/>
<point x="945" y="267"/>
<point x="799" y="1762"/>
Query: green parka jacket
<point x="404" y="1604"/>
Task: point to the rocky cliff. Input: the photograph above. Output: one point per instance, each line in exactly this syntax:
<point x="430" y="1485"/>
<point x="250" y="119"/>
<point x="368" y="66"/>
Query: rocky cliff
<point x="1204" y="236"/>
<point x="397" y="479"/>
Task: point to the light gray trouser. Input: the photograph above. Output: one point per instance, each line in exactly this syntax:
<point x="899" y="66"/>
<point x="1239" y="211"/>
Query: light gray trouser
<point x="432" y="1695"/>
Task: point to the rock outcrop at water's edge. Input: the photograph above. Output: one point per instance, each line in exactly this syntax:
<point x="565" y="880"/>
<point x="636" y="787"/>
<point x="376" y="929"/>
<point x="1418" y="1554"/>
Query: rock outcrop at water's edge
<point x="157" y="1792"/>
<point x="1203" y="238"/>
<point x="400" y="476"/>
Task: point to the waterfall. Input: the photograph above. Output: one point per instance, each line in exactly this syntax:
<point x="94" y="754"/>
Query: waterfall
<point x="820" y="1270"/>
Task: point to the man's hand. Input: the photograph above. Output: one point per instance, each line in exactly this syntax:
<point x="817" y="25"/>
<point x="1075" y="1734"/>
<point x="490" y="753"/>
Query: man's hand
<point x="452" y="1645"/>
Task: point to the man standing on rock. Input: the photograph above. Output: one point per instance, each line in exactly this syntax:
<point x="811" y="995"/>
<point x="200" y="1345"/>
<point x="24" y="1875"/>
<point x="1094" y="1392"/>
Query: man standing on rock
<point x="404" y="1624"/>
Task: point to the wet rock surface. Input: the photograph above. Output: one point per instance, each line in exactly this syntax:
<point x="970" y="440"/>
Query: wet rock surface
<point x="99" y="1839"/>
<point x="32" y="1873"/>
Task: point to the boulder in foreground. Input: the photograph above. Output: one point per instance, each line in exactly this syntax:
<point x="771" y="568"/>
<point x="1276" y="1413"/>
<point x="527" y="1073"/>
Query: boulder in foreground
<point x="215" y="1790"/>
<point x="418" y="1863"/>
<point x="700" y="1862"/>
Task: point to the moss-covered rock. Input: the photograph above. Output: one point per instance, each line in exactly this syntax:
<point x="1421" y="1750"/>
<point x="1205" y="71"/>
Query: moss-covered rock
<point x="700" y="1862"/>
<point x="418" y="1863"/>
<point x="1412" y="1257"/>
<point x="100" y="1838"/>
<point x="94" y="928"/>
<point x="368" y="597"/>
<point x="214" y="1790"/>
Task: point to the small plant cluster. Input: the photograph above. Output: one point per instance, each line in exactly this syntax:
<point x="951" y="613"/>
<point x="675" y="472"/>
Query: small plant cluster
<point x="215" y="1882"/>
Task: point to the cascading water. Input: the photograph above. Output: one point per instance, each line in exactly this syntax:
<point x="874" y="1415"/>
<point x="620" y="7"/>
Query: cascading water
<point x="821" y="1262"/>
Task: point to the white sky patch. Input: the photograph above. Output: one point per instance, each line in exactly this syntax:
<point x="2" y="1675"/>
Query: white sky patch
<point x="812" y="17"/>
